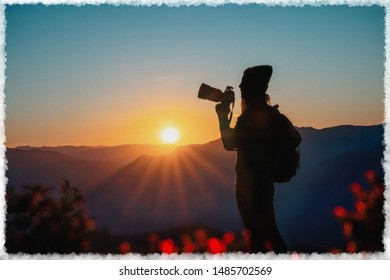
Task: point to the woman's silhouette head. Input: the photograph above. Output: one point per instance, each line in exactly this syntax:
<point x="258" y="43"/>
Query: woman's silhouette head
<point x="254" y="83"/>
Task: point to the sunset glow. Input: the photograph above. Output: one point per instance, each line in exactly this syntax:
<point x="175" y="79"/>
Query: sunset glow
<point x="121" y="90"/>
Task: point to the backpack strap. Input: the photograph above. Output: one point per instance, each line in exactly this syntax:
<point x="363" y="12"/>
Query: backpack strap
<point x="231" y="112"/>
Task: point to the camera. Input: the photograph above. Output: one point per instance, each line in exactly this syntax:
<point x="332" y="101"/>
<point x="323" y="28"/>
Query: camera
<point x="216" y="95"/>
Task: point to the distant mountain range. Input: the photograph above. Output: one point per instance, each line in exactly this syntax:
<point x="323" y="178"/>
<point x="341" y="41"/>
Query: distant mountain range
<point x="122" y="154"/>
<point x="133" y="189"/>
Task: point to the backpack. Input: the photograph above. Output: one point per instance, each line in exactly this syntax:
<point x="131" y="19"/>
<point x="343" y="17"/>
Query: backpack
<point x="285" y="159"/>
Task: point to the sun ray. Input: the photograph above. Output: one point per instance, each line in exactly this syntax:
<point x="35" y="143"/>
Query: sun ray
<point x="135" y="191"/>
<point x="166" y="176"/>
<point x="204" y="163"/>
<point x="193" y="169"/>
<point x="178" y="178"/>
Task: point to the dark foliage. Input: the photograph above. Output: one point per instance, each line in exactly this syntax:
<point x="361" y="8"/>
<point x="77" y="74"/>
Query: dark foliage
<point x="37" y="222"/>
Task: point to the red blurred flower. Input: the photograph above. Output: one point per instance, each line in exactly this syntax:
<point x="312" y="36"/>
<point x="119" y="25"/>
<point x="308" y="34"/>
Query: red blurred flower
<point x="188" y="244"/>
<point x="200" y="235"/>
<point x="360" y="206"/>
<point x="246" y="234"/>
<point x="340" y="212"/>
<point x="351" y="247"/>
<point x="125" y="247"/>
<point x="215" y="246"/>
<point x="167" y="246"/>
<point x="370" y="176"/>
<point x="90" y="224"/>
<point x="201" y="239"/>
<point x="189" y="248"/>
<point x="185" y="238"/>
<point x="378" y="189"/>
<point x="334" y="250"/>
<point x="229" y="237"/>
<point x="347" y="229"/>
<point x="269" y="246"/>
<point x="355" y="188"/>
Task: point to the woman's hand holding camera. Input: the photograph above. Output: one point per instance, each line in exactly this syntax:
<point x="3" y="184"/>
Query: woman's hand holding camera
<point x="222" y="109"/>
<point x="227" y="98"/>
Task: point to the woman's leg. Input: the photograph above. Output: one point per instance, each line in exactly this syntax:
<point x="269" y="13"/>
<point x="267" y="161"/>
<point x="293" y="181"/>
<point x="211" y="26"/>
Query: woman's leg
<point x="255" y="203"/>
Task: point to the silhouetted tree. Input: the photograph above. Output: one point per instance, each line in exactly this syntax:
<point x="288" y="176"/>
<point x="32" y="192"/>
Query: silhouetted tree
<point x="39" y="223"/>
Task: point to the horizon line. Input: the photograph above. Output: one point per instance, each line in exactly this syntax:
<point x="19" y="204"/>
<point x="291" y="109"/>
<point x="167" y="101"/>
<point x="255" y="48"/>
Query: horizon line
<point x="167" y="145"/>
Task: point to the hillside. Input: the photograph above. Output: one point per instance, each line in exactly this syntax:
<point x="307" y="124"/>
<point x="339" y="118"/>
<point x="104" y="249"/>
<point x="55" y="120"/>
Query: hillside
<point x="27" y="167"/>
<point x="123" y="154"/>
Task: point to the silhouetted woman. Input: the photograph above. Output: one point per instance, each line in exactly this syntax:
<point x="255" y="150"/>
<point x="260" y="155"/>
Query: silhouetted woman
<point x="251" y="138"/>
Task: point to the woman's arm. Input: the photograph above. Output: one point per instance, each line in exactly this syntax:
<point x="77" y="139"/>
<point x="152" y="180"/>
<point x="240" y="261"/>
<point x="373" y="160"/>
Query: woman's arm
<point x="228" y="134"/>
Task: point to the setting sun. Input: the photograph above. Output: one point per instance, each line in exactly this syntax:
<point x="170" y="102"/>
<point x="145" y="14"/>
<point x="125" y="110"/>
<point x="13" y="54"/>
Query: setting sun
<point x="170" y="135"/>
